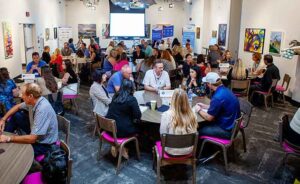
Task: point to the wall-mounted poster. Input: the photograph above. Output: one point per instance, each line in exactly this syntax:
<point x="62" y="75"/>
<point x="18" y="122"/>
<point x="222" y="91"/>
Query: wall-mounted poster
<point x="87" y="30"/>
<point x="168" y="31"/>
<point x="198" y="32"/>
<point x="55" y="32"/>
<point x="222" y="34"/>
<point x="189" y="33"/>
<point x="105" y="31"/>
<point x="275" y="42"/>
<point x="254" y="40"/>
<point x="47" y="34"/>
<point x="214" y="34"/>
<point x="7" y="39"/>
<point x="157" y="32"/>
<point x="147" y="30"/>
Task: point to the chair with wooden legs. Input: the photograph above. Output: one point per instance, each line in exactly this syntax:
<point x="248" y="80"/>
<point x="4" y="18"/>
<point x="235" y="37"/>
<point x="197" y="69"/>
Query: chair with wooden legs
<point x="175" y="141"/>
<point x="267" y="94"/>
<point x="281" y="89"/>
<point x="225" y="144"/>
<point x="109" y="135"/>
<point x="240" y="88"/>
<point x="246" y="108"/>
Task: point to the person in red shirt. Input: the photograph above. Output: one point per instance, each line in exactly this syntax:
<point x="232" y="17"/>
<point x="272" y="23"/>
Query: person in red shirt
<point x="56" y="63"/>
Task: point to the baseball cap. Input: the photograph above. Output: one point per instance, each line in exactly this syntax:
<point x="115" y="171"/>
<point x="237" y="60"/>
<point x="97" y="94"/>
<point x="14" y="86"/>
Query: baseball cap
<point x="211" y="78"/>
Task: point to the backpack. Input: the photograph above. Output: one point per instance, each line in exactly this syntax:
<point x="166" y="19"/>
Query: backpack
<point x="58" y="104"/>
<point x="55" y="166"/>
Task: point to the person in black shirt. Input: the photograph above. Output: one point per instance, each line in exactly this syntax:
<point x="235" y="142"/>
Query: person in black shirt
<point x="124" y="109"/>
<point x="271" y="73"/>
<point x="46" y="56"/>
<point x="137" y="54"/>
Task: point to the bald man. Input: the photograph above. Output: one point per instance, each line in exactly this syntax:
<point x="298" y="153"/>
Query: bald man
<point x="115" y="81"/>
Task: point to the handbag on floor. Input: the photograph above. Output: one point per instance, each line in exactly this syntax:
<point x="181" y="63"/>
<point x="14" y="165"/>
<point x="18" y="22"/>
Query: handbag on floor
<point x="55" y="166"/>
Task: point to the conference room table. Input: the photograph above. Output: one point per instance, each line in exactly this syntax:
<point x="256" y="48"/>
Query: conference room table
<point x="154" y="116"/>
<point x="15" y="161"/>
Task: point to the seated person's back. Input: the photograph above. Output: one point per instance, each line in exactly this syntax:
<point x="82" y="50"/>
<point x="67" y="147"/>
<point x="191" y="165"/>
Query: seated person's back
<point x="124" y="109"/>
<point x="179" y="120"/>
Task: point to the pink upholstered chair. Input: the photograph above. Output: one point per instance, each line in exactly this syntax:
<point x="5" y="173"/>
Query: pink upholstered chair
<point x="246" y="108"/>
<point x="288" y="148"/>
<point x="33" y="178"/>
<point x="223" y="143"/>
<point x="267" y="94"/>
<point x="109" y="135"/>
<point x="281" y="89"/>
<point x="175" y="141"/>
<point x="242" y="85"/>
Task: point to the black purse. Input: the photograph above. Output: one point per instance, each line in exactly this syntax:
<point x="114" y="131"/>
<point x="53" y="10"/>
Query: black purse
<point x="55" y="166"/>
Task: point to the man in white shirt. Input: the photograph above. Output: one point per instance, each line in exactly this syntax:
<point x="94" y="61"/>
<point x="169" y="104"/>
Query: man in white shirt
<point x="157" y="79"/>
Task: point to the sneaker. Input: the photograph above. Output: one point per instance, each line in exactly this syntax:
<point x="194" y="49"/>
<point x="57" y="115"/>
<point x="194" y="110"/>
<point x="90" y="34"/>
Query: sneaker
<point x="113" y="151"/>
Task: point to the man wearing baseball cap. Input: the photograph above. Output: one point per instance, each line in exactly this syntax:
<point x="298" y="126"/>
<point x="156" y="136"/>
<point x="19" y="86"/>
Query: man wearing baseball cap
<point x="222" y="111"/>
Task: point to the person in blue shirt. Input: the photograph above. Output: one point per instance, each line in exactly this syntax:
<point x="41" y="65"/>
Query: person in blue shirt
<point x="71" y="45"/>
<point x="115" y="80"/>
<point x="222" y="112"/>
<point x="85" y="50"/>
<point x="34" y="67"/>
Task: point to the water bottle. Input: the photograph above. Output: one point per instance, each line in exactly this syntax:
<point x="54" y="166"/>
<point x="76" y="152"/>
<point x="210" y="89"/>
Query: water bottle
<point x="190" y="97"/>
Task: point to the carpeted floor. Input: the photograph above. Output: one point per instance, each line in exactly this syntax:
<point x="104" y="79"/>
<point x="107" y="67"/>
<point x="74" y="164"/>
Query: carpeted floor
<point x="260" y="164"/>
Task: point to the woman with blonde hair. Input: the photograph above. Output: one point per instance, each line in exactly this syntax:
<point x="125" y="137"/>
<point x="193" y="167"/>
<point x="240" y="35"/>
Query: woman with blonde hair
<point x="56" y="63"/>
<point x="237" y="72"/>
<point x="179" y="120"/>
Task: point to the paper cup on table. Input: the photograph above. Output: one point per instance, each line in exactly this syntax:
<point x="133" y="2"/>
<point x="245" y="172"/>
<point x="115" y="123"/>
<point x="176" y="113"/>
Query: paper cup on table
<point x="153" y="105"/>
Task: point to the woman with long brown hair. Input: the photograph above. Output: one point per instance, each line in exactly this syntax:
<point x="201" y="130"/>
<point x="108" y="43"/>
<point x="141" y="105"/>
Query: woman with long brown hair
<point x="179" y="120"/>
<point x="167" y="59"/>
<point x="47" y="82"/>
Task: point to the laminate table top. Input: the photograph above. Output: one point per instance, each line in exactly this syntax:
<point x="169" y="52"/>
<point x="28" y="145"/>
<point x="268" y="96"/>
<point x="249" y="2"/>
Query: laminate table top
<point x="155" y="116"/>
<point x="15" y="161"/>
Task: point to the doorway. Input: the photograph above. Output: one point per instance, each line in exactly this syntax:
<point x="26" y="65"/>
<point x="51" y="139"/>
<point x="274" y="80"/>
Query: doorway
<point x="27" y="42"/>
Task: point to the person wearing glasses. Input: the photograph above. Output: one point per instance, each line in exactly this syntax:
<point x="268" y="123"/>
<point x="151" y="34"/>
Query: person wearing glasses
<point x="157" y="79"/>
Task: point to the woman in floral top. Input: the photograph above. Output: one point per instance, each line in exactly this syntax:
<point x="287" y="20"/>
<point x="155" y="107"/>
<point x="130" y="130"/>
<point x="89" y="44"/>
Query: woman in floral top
<point x="195" y="83"/>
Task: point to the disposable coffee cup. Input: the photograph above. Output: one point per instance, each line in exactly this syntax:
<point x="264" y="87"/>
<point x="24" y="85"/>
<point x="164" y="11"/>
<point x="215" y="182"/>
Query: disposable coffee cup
<point x="153" y="105"/>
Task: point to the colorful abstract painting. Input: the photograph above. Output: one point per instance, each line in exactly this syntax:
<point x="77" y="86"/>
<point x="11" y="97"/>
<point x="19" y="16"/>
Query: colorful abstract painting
<point x="222" y="34"/>
<point x="254" y="40"/>
<point x="47" y="34"/>
<point x="87" y="30"/>
<point x="275" y="42"/>
<point x="7" y="39"/>
<point x="105" y="31"/>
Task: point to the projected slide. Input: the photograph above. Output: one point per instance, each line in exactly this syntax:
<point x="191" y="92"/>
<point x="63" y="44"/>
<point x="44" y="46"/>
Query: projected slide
<point x="127" y="24"/>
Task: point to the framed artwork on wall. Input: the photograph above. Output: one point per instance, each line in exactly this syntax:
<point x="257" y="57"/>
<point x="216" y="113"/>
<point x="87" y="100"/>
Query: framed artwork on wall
<point x="55" y="32"/>
<point x="222" y="34"/>
<point x="47" y="34"/>
<point x="7" y="39"/>
<point x="254" y="40"/>
<point x="105" y="31"/>
<point x="276" y="39"/>
<point x="214" y="33"/>
<point x="197" y="32"/>
<point x="87" y="30"/>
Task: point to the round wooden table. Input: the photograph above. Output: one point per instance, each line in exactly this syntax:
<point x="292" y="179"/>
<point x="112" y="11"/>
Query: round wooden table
<point x="155" y="116"/>
<point x="15" y="161"/>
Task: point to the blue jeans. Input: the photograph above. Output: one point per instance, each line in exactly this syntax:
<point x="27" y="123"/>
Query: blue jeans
<point x="19" y="120"/>
<point x="214" y="130"/>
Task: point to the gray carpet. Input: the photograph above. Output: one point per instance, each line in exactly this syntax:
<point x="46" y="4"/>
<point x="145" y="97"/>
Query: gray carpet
<point x="260" y="164"/>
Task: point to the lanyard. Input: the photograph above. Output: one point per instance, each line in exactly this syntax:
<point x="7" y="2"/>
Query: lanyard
<point x="157" y="78"/>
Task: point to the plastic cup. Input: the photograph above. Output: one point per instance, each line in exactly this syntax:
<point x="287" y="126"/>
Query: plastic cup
<point x="153" y="105"/>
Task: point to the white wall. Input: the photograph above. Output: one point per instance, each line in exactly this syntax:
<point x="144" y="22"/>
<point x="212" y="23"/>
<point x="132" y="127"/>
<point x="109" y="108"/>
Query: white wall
<point x="208" y="14"/>
<point x="77" y="13"/>
<point x="43" y="13"/>
<point x="273" y="15"/>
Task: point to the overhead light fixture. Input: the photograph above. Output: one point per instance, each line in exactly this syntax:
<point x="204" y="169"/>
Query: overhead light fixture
<point x="171" y="5"/>
<point x="160" y="8"/>
<point x="91" y="4"/>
